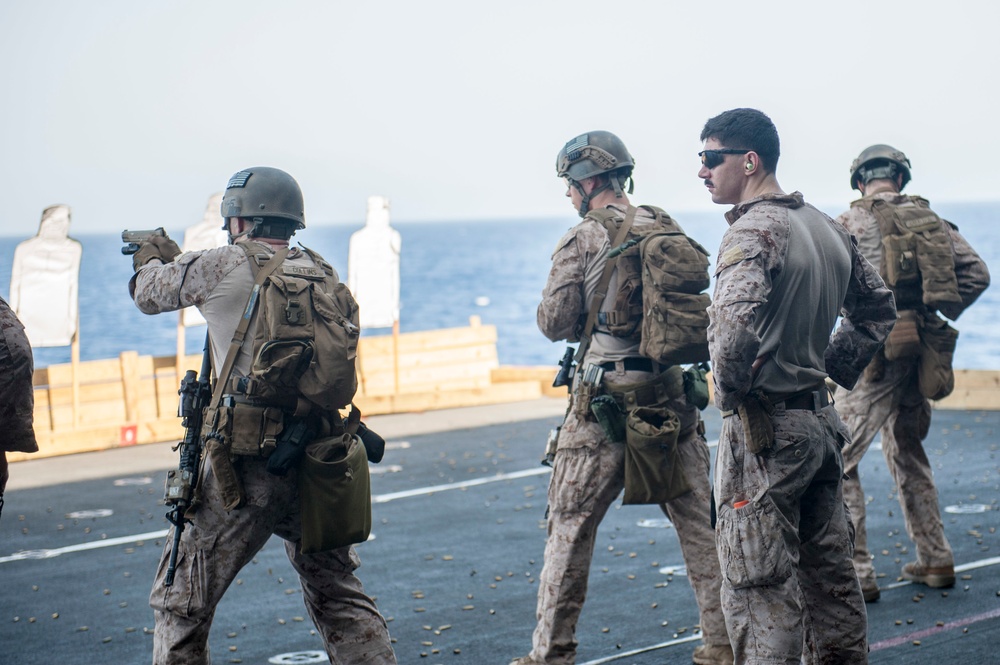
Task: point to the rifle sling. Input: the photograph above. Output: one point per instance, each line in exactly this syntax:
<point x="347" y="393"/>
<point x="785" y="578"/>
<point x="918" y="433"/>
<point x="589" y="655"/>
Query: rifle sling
<point x="230" y="487"/>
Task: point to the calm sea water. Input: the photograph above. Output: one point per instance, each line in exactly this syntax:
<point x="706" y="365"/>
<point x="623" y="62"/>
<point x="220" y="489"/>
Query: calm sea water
<point x="449" y="272"/>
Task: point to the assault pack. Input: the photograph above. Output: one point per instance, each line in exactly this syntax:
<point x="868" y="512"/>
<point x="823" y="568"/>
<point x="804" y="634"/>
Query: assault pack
<point x="659" y="301"/>
<point x="305" y="343"/>
<point x="917" y="259"/>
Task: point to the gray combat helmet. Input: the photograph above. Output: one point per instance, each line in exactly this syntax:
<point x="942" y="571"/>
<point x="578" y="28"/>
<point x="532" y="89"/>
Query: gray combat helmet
<point x="592" y="154"/>
<point x="889" y="163"/>
<point x="270" y="197"/>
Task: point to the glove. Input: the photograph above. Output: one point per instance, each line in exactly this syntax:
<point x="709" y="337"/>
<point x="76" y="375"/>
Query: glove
<point x="158" y="247"/>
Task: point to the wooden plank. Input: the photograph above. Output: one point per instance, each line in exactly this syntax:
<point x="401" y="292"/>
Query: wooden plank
<point x="92" y="371"/>
<point x="419" y="342"/>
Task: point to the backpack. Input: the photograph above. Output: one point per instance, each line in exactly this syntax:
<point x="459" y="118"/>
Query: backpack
<point x="662" y="274"/>
<point x="917" y="259"/>
<point x="305" y="343"/>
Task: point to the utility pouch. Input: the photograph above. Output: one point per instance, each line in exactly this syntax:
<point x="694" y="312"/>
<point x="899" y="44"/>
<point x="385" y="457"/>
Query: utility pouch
<point x="334" y="494"/>
<point x="610" y="416"/>
<point x="255" y="430"/>
<point x="653" y="472"/>
<point x="755" y="415"/>
<point x="904" y="338"/>
<point x="217" y="423"/>
<point x="901" y="266"/>
<point x="696" y="385"/>
<point x="935" y="376"/>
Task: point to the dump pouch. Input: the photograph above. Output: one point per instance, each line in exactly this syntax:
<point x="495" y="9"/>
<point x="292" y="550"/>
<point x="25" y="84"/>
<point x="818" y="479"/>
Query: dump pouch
<point x="935" y="376"/>
<point x="904" y="338"/>
<point x="755" y="413"/>
<point x="653" y="472"/>
<point x="334" y="494"/>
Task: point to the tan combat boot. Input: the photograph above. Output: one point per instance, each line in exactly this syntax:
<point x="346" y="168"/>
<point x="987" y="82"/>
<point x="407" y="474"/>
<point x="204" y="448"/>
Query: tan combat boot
<point x="713" y="654"/>
<point x="935" y="577"/>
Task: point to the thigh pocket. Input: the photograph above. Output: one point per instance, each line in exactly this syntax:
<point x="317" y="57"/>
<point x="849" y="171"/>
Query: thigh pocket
<point x="751" y="546"/>
<point x="189" y="595"/>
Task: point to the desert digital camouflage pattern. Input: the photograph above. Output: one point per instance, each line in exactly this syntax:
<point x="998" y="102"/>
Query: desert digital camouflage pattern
<point x="785" y="273"/>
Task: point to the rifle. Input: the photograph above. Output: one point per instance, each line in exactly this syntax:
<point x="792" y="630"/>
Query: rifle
<point x="135" y="238"/>
<point x="567" y="371"/>
<point x="195" y="392"/>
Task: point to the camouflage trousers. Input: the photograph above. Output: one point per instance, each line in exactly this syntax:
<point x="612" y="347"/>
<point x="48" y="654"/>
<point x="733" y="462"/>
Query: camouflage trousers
<point x="893" y="406"/>
<point x="588" y="475"/>
<point x="216" y="546"/>
<point x="789" y="589"/>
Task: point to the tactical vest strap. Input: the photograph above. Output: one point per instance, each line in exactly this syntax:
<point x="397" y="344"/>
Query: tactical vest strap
<point x="602" y="287"/>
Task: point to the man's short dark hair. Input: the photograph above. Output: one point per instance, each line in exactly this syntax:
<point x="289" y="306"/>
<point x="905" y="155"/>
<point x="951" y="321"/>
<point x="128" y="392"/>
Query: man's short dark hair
<point x="749" y="129"/>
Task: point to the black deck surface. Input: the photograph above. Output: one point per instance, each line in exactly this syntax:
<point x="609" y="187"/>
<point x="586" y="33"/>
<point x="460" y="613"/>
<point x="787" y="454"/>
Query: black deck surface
<point x="454" y="565"/>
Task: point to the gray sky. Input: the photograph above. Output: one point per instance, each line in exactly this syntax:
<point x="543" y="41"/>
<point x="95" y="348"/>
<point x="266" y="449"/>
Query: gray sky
<point x="133" y="113"/>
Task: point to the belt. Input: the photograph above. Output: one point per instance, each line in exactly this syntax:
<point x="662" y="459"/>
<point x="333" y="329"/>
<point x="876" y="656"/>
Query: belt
<point x="814" y="400"/>
<point x="630" y="365"/>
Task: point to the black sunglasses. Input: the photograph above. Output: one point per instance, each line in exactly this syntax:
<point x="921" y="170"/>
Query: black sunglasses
<point x="712" y="158"/>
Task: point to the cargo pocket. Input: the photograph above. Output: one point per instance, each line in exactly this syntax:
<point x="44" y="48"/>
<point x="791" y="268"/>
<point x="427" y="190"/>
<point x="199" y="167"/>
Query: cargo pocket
<point x="751" y="548"/>
<point x="188" y="596"/>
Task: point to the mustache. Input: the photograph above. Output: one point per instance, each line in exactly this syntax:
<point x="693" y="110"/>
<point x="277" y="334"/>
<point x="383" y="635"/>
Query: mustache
<point x="709" y="183"/>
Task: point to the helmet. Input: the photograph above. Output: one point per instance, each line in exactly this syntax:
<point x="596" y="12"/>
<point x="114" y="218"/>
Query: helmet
<point x="592" y="154"/>
<point x="267" y="194"/>
<point x="897" y="164"/>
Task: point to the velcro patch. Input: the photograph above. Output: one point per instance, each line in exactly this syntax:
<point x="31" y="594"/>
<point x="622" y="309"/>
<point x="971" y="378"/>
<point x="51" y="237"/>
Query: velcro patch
<point x="732" y="255"/>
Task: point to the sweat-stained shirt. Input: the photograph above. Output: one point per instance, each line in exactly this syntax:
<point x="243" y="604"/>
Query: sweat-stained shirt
<point x="785" y="272"/>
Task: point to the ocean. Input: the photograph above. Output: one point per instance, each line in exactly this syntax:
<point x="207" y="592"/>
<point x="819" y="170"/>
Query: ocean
<point x="450" y="271"/>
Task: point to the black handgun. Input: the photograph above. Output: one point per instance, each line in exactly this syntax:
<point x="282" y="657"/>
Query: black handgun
<point x="135" y="238"/>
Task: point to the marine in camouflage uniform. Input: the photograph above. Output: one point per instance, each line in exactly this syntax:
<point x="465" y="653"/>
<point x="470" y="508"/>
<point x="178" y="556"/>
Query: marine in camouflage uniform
<point x="589" y="469"/>
<point x="887" y="398"/>
<point x="217" y="543"/>
<point x="785" y="272"/>
<point x="17" y="396"/>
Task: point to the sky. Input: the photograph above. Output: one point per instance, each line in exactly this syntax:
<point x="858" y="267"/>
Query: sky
<point x="134" y="113"/>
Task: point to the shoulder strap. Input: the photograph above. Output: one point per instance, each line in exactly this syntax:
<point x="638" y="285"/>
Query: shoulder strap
<point x="261" y="274"/>
<point x="602" y="287"/>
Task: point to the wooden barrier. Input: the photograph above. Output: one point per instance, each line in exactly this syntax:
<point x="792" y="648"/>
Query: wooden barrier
<point x="133" y="399"/>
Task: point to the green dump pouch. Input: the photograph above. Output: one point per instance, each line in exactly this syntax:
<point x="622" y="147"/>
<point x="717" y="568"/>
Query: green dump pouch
<point x="904" y="338"/>
<point x="653" y="472"/>
<point x="255" y="429"/>
<point x="935" y="376"/>
<point x="334" y="494"/>
<point x="755" y="415"/>
<point x="610" y="416"/>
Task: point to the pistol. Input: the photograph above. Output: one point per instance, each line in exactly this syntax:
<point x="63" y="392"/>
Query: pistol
<point x="134" y="238"/>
